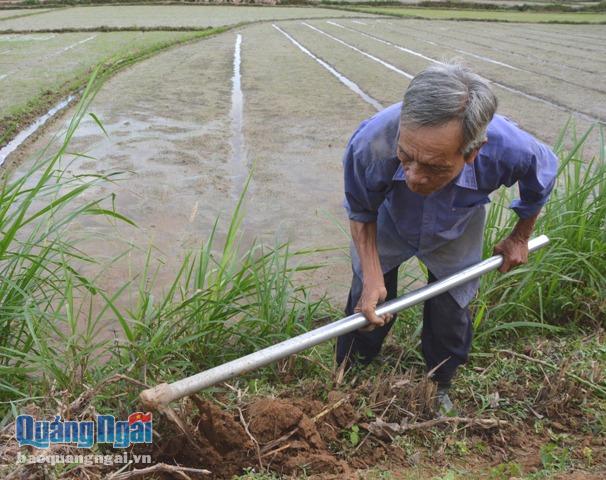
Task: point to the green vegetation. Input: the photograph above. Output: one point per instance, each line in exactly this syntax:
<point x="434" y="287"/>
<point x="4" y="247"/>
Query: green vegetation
<point x="483" y="15"/>
<point x="571" y="271"/>
<point x="38" y="281"/>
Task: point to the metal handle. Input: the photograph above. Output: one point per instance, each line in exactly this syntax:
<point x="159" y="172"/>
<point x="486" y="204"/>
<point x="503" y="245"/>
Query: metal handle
<point x="165" y="393"/>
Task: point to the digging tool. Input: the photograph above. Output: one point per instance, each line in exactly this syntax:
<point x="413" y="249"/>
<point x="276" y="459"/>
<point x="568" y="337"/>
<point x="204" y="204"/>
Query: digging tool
<point x="165" y="393"/>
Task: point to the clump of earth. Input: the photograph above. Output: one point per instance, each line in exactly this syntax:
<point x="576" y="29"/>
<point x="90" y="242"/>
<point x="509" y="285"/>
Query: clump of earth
<point x="288" y="436"/>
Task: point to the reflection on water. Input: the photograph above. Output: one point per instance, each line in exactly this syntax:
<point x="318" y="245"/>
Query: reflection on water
<point x="238" y="158"/>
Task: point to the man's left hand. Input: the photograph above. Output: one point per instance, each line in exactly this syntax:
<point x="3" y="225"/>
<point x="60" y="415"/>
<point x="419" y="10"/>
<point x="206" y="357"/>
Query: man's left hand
<point x="514" y="251"/>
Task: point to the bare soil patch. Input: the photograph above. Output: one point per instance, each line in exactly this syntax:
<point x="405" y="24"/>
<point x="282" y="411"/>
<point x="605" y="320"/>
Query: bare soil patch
<point x="298" y="433"/>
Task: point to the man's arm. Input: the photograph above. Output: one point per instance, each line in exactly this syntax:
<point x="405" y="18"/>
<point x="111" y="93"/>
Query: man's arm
<point x="514" y="248"/>
<point x="364" y="236"/>
<point x="536" y="179"/>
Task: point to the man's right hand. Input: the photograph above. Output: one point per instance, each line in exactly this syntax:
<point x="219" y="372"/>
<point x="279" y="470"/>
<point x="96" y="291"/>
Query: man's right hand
<point x="364" y="236"/>
<point x="373" y="294"/>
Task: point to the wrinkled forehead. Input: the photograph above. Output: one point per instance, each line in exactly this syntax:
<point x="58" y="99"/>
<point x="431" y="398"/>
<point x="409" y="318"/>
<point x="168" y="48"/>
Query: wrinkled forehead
<point x="439" y="141"/>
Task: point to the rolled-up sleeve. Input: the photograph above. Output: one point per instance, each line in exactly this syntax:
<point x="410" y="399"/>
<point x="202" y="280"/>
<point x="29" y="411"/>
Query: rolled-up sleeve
<point x="536" y="181"/>
<point x="367" y="181"/>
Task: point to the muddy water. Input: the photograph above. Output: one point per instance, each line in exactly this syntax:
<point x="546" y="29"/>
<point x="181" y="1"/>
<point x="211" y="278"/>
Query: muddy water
<point x="186" y="124"/>
<point x="168" y="129"/>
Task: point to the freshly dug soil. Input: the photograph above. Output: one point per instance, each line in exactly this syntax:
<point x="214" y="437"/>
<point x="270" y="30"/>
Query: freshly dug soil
<point x="291" y="436"/>
<point x="301" y="433"/>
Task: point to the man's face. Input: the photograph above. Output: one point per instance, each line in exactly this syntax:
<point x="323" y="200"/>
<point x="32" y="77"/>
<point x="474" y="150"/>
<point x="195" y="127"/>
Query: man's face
<point x="431" y="156"/>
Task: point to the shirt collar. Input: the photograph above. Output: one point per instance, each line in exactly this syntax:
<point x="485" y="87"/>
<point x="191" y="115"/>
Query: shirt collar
<point x="465" y="179"/>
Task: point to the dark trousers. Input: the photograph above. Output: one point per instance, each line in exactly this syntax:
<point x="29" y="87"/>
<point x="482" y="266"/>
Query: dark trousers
<point x="446" y="333"/>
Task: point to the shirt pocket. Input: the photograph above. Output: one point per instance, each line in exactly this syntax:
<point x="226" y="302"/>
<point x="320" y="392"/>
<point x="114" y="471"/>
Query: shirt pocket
<point x="452" y="221"/>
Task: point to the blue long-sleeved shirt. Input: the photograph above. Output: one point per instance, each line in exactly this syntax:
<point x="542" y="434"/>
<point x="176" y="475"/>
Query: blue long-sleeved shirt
<point x="374" y="178"/>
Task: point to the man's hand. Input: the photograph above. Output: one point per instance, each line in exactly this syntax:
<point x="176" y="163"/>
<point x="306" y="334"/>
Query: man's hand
<point x="373" y="293"/>
<point x="514" y="251"/>
<point x="364" y="236"/>
<point x="515" y="247"/>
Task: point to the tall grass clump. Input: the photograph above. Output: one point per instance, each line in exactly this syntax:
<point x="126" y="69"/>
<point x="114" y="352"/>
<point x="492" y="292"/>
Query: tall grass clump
<point x="37" y="278"/>
<point x="564" y="282"/>
<point x="223" y="303"/>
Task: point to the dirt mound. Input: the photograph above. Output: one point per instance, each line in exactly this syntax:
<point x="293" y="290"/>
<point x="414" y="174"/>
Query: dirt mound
<point x="288" y="436"/>
<point x="219" y="443"/>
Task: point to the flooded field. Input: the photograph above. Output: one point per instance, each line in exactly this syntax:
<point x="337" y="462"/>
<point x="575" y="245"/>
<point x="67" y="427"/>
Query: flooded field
<point x="31" y="64"/>
<point x="280" y="100"/>
<point x="163" y="15"/>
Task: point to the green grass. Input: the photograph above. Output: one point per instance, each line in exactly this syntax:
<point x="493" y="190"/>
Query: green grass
<point x="484" y="15"/>
<point x="565" y="281"/>
<point x="37" y="280"/>
<point x="196" y="16"/>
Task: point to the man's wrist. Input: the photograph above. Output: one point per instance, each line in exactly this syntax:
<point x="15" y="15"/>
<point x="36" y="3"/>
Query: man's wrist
<point x="373" y="279"/>
<point x="523" y="229"/>
<point x="519" y="237"/>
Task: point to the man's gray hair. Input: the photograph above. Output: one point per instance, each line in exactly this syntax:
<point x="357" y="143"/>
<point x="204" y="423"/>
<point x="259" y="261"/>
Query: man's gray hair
<point x="449" y="91"/>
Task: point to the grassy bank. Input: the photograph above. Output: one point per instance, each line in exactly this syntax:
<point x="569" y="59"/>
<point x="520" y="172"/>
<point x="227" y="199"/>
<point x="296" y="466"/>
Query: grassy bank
<point x="537" y="364"/>
<point x="482" y="15"/>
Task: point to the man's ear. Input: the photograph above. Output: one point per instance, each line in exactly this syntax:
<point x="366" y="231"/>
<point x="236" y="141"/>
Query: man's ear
<point x="469" y="159"/>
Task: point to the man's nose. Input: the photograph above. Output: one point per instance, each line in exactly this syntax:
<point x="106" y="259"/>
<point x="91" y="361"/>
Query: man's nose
<point x="416" y="177"/>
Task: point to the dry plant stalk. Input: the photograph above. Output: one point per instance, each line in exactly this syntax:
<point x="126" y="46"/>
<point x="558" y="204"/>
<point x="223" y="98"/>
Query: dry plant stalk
<point x="381" y="428"/>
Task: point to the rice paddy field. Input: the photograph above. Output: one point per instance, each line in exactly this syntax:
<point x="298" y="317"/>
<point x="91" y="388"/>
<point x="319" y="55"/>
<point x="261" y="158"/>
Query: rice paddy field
<point x="488" y="15"/>
<point x="12" y="13"/>
<point x="186" y="208"/>
<point x="175" y="16"/>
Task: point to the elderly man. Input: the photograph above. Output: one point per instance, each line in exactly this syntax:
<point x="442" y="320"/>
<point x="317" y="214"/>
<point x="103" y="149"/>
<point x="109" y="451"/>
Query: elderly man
<point x="417" y="177"/>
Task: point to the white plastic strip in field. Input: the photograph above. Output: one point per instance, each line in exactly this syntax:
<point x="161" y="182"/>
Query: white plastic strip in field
<point x="386" y="42"/>
<point x="417" y="54"/>
<point x="330" y="22"/>
<point x="490" y="60"/>
<point x="237" y="121"/>
<point x="24" y="38"/>
<point x="342" y="78"/>
<point x="74" y="45"/>
<point x="491" y="46"/>
<point x="372" y="57"/>
<point x="498" y="84"/>
<point x="11" y="146"/>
